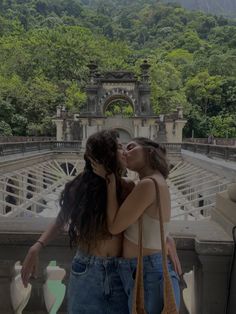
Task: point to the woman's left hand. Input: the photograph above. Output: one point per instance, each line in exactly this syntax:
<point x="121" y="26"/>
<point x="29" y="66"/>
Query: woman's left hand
<point x="98" y="169"/>
<point x="171" y="251"/>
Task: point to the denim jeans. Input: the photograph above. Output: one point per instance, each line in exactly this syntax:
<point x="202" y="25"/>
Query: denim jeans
<point x="153" y="281"/>
<point x="95" y="286"/>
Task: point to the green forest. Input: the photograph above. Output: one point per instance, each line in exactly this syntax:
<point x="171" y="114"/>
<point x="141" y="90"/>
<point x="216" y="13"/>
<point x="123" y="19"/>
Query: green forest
<point x="45" y="46"/>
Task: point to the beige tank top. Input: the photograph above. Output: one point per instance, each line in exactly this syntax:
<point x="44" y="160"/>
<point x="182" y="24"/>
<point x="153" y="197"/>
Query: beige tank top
<point x="151" y="232"/>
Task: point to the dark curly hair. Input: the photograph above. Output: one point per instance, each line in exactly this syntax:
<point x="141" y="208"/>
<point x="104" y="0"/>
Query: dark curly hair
<point x="156" y="155"/>
<point x="84" y="199"/>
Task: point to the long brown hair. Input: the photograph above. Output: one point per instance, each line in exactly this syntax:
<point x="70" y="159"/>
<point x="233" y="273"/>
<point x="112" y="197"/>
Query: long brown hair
<point x="84" y="199"/>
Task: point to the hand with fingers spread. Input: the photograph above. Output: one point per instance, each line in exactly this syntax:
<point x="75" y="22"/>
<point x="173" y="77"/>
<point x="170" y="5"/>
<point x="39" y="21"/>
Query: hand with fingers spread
<point x="30" y="264"/>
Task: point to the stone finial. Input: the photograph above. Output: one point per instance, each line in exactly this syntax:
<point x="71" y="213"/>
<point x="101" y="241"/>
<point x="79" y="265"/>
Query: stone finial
<point x="232" y="192"/>
<point x="144" y="71"/>
<point x="93" y="71"/>
<point x="180" y="112"/>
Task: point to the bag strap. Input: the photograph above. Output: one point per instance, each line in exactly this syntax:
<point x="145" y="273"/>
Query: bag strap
<point x="169" y="299"/>
<point x="138" y="292"/>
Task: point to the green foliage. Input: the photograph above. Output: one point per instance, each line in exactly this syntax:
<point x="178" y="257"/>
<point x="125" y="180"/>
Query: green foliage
<point x="5" y="129"/>
<point x="74" y="97"/>
<point x="223" y="126"/>
<point x="121" y="107"/>
<point x="45" y="46"/>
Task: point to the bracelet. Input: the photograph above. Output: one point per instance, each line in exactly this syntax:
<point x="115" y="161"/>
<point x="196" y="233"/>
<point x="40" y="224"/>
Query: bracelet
<point x="41" y="242"/>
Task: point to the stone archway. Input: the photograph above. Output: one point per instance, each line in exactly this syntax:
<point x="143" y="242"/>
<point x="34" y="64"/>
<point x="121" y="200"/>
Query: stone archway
<point x="123" y="103"/>
<point x="116" y="96"/>
<point x="103" y="90"/>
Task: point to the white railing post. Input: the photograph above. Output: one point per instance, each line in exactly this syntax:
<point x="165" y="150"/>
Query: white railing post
<point x="19" y="294"/>
<point x="53" y="289"/>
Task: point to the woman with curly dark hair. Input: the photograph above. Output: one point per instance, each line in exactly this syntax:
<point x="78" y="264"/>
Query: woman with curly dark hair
<point x="94" y="285"/>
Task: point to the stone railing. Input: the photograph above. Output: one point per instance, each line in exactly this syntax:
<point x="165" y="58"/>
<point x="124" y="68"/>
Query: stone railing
<point x="14" y="139"/>
<point x="198" y="247"/>
<point x="218" y="151"/>
<point x="26" y="147"/>
<point x="215" y="141"/>
<point x="23" y="147"/>
<point x="224" y="152"/>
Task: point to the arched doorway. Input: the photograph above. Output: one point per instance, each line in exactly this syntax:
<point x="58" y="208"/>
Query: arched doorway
<point x="118" y="105"/>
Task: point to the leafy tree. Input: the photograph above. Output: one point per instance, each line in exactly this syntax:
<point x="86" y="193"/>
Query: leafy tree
<point x="75" y="98"/>
<point x="5" y="129"/>
<point x="206" y="92"/>
<point x="223" y="126"/>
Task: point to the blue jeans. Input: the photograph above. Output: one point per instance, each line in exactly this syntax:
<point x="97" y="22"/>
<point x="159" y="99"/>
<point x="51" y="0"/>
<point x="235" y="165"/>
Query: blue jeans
<point x="95" y="286"/>
<point x="153" y="281"/>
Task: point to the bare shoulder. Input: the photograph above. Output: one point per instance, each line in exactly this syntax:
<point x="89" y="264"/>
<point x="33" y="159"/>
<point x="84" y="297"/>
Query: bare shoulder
<point x="146" y="184"/>
<point x="160" y="180"/>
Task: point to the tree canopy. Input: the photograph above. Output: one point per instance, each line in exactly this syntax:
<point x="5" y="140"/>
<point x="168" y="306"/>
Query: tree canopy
<point x="45" y="46"/>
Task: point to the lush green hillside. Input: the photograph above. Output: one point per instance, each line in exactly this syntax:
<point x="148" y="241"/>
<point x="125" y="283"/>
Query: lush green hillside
<point x="46" y="44"/>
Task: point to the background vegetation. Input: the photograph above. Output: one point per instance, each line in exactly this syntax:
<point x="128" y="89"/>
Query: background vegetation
<point x="45" y="46"/>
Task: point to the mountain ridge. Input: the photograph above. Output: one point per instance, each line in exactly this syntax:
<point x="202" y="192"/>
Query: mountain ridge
<point x="219" y="7"/>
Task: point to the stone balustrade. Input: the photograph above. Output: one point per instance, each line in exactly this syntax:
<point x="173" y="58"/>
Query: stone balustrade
<point x="214" y="141"/>
<point x="218" y="151"/>
<point x="14" y="139"/>
<point x="173" y="149"/>
<point x="203" y="246"/>
<point x="26" y="147"/>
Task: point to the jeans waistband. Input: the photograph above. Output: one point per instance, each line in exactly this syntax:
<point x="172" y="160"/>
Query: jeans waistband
<point x="155" y="258"/>
<point x="98" y="260"/>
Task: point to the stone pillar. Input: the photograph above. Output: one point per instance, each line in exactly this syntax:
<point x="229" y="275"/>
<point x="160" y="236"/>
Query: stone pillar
<point x="225" y="215"/>
<point x="210" y="284"/>
<point x="179" y="125"/>
<point x="84" y="138"/>
<point x="136" y="128"/>
<point x="59" y="125"/>
<point x="68" y="135"/>
<point x="2" y="198"/>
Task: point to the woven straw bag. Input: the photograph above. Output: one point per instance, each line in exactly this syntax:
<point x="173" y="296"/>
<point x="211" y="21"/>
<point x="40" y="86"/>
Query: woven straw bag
<point x="138" y="293"/>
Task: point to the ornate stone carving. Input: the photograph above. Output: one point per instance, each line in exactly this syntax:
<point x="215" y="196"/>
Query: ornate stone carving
<point x="119" y="75"/>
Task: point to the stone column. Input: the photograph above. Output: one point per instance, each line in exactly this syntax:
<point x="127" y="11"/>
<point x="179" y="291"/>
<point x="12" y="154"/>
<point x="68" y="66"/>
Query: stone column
<point x="2" y="198"/>
<point x="84" y="123"/>
<point x="68" y="130"/>
<point x="136" y="128"/>
<point x="210" y="283"/>
<point x="59" y="125"/>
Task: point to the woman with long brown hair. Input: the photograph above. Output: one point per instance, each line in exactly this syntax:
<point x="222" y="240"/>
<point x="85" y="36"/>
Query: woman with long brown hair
<point x="95" y="286"/>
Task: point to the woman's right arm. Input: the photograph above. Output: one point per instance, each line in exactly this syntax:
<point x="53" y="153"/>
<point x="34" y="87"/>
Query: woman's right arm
<point x="30" y="264"/>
